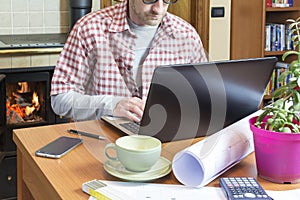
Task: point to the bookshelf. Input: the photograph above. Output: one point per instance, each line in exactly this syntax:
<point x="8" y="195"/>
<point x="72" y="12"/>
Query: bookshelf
<point x="248" y="30"/>
<point x="248" y="22"/>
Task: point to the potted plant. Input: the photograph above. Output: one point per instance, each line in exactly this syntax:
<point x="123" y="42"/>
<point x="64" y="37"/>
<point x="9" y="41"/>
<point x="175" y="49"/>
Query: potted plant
<point x="276" y="131"/>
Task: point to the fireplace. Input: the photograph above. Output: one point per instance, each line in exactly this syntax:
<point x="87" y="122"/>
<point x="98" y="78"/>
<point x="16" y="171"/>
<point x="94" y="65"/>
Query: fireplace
<point x="24" y="102"/>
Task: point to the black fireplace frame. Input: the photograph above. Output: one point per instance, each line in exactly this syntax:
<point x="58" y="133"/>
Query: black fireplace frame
<point x="8" y="189"/>
<point x="34" y="77"/>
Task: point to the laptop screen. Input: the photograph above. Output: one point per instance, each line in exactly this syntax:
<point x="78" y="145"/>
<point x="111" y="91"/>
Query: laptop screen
<point x="192" y="100"/>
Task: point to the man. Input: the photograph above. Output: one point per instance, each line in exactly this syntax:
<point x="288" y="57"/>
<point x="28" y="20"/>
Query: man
<point x="107" y="62"/>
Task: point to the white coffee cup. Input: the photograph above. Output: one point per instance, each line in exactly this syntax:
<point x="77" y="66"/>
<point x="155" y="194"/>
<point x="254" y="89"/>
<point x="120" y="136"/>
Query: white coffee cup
<point x="135" y="152"/>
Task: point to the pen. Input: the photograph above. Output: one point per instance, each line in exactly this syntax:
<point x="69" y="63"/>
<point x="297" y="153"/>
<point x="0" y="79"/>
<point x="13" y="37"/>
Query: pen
<point x="72" y="131"/>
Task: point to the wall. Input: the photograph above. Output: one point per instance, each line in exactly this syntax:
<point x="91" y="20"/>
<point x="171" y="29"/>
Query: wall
<point x="219" y="32"/>
<point x="34" y="17"/>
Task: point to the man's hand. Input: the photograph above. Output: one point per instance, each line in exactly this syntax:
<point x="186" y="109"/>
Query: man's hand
<point x="131" y="108"/>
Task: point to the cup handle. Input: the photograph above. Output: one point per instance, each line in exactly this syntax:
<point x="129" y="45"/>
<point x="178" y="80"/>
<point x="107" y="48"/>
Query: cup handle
<point x="107" y="147"/>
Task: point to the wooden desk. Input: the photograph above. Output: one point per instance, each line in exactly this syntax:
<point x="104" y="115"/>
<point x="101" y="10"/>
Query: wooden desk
<point x="41" y="178"/>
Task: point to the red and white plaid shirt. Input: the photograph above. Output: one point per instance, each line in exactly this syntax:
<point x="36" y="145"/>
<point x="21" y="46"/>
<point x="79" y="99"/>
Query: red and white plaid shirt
<point x="98" y="56"/>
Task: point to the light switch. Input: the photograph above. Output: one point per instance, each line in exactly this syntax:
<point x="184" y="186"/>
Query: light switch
<point x="217" y="12"/>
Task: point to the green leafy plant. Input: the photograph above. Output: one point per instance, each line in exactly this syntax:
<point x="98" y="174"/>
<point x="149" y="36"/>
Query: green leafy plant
<point x="283" y="114"/>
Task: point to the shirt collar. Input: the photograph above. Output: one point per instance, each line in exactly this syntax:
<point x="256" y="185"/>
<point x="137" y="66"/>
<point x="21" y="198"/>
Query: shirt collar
<point x="168" y="26"/>
<point x="119" y="23"/>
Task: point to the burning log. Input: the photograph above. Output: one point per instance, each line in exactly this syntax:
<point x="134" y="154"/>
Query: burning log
<point x="13" y="117"/>
<point x="22" y="105"/>
<point x="24" y="88"/>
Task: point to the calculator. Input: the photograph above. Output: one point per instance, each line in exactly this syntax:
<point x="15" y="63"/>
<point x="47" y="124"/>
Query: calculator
<point x="243" y="188"/>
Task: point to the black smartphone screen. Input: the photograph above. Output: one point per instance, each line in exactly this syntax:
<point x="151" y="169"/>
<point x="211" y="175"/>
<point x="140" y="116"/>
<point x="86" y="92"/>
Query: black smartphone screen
<point x="58" y="147"/>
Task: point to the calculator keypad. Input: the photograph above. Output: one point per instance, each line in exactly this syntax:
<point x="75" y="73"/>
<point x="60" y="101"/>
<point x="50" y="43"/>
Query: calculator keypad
<point x="243" y="188"/>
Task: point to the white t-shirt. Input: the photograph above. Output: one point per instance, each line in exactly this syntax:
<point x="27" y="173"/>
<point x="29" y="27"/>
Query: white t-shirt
<point x="145" y="35"/>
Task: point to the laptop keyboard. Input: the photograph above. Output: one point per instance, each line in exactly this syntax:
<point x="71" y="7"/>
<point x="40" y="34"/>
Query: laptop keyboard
<point x="131" y="126"/>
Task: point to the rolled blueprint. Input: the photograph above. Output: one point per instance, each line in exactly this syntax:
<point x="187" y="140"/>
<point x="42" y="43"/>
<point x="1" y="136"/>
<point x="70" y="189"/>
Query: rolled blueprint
<point x="202" y="162"/>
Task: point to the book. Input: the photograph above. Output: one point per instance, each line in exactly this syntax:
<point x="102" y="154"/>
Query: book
<point x="274" y="42"/>
<point x="282" y="37"/>
<point x="289" y="34"/>
<point x="268" y="3"/>
<point x="282" y="65"/>
<point x="280" y="3"/>
<point x="278" y="37"/>
<point x="268" y="38"/>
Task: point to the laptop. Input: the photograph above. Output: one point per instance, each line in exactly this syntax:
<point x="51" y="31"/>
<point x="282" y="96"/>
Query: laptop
<point x="192" y="100"/>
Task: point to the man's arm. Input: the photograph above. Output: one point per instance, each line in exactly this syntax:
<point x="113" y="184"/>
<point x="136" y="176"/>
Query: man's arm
<point x="79" y="107"/>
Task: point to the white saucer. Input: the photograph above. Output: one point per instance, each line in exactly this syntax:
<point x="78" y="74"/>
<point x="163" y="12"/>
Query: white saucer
<point x="160" y="169"/>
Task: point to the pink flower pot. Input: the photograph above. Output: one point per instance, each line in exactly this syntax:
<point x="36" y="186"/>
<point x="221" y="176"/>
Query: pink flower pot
<point x="277" y="155"/>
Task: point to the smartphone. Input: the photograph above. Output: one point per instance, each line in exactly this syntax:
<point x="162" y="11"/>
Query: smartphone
<point x="58" y="147"/>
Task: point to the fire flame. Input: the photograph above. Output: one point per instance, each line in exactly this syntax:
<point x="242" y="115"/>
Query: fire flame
<point x="24" y="111"/>
<point x="35" y="105"/>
